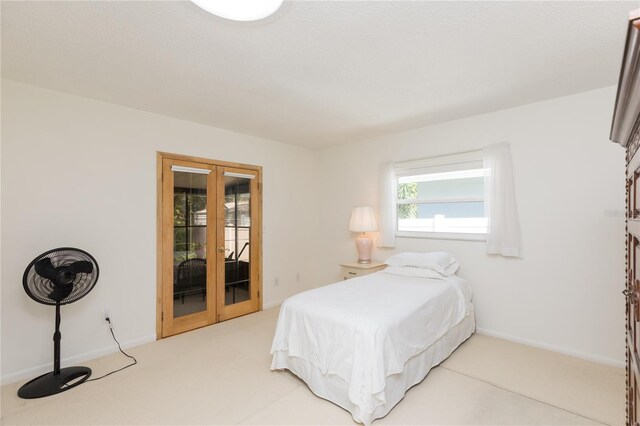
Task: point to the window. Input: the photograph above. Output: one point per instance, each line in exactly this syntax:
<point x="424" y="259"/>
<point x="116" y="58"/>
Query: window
<point x="441" y="197"/>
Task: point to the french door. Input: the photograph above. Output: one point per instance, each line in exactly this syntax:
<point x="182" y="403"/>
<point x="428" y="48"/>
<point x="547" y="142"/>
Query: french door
<point x="209" y="235"/>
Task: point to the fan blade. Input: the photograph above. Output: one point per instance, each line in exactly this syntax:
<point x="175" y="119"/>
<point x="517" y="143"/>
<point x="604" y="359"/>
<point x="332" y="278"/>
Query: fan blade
<point x="81" y="266"/>
<point x="45" y="269"/>
<point x="60" y="292"/>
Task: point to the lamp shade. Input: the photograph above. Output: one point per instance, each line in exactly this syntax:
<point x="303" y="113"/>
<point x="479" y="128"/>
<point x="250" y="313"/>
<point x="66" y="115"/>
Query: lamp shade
<point x="363" y="220"/>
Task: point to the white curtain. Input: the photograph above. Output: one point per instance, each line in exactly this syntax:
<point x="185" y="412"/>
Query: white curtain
<point x="387" y="205"/>
<point x="503" y="234"/>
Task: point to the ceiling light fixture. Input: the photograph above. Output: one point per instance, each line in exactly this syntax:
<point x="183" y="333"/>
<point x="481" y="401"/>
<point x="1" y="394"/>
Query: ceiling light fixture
<point x="240" y="10"/>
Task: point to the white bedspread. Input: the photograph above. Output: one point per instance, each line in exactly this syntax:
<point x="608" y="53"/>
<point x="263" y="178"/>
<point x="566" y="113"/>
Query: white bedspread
<point x="366" y="328"/>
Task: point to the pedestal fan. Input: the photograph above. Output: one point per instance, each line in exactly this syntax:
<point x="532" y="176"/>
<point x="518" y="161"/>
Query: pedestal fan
<point x="58" y="277"/>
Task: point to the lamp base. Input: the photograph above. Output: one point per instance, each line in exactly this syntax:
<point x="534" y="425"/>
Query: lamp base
<point x="364" y="245"/>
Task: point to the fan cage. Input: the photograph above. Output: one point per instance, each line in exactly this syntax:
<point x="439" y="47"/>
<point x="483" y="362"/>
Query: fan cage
<point x="38" y="288"/>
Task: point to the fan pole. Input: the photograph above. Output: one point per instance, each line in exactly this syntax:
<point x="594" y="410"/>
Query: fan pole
<point x="56" y="342"/>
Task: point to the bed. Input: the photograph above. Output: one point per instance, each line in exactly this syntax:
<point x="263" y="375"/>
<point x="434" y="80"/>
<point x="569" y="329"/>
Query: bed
<point x="362" y="343"/>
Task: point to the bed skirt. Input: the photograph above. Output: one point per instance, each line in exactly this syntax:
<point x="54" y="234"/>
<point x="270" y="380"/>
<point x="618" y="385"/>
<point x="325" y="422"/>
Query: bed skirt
<point x="335" y="389"/>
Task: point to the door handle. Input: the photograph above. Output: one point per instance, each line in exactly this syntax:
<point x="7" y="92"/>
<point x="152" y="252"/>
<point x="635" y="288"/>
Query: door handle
<point x="631" y="295"/>
<point x="221" y="249"/>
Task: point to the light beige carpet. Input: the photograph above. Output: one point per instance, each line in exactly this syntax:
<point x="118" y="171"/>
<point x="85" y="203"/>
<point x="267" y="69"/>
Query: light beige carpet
<point x="220" y="375"/>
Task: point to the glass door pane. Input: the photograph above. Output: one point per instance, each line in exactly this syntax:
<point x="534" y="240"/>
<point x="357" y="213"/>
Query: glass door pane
<point x="237" y="241"/>
<point x="189" y="243"/>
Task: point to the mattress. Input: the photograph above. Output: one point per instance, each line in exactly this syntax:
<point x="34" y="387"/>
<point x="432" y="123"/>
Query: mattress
<point x="362" y="343"/>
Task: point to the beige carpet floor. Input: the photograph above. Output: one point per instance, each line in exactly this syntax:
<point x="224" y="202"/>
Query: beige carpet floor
<point x="220" y="375"/>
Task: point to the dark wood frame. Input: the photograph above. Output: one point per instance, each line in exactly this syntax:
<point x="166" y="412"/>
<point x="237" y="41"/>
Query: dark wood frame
<point x="625" y="130"/>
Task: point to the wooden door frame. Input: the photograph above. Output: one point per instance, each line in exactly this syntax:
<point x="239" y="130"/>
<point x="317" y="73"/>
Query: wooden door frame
<point x="160" y="156"/>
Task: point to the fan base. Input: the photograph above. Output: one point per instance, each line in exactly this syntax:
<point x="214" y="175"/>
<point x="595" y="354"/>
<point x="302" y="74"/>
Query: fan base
<point x="51" y="384"/>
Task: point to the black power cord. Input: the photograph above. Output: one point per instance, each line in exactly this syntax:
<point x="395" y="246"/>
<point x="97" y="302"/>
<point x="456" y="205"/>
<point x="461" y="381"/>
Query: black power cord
<point x="135" y="361"/>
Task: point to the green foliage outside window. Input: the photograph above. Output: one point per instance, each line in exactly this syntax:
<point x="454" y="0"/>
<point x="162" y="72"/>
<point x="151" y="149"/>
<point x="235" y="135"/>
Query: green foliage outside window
<point x="407" y="191"/>
<point x="184" y="222"/>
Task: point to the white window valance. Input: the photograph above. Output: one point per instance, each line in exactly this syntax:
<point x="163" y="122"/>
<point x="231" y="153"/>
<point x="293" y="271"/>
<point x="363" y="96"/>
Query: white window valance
<point x="440" y="164"/>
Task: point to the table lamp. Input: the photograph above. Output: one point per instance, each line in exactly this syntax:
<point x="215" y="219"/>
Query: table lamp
<point x="363" y="220"/>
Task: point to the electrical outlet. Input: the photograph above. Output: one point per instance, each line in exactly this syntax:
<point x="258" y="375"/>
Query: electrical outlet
<point x="106" y="316"/>
<point x="298" y="277"/>
<point x="276" y="282"/>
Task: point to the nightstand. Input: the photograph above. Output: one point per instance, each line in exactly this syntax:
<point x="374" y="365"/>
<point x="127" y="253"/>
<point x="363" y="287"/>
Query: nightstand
<point x="352" y="270"/>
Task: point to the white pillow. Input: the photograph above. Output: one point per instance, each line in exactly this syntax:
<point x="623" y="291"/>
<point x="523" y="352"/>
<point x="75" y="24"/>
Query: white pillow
<point x="412" y="271"/>
<point x="438" y="261"/>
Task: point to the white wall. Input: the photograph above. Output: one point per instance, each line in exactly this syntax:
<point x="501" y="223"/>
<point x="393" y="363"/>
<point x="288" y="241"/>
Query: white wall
<point x="565" y="293"/>
<point x="81" y="173"/>
<point x="100" y="159"/>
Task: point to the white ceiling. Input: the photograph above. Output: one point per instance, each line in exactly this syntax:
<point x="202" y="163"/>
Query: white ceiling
<point x="318" y="72"/>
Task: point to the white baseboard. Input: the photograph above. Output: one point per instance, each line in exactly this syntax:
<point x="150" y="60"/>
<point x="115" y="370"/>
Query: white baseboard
<point x="33" y="372"/>
<point x="272" y="304"/>
<point x="571" y="352"/>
